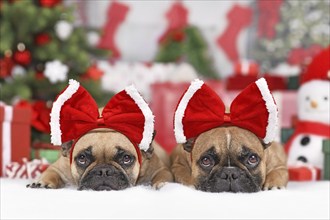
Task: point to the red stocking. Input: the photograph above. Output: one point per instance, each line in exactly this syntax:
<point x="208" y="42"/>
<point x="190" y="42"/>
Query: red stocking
<point x="239" y="17"/>
<point x="177" y="18"/>
<point x="115" y="16"/>
<point x="269" y="15"/>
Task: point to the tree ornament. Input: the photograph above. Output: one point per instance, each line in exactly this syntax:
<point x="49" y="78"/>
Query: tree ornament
<point x="40" y="68"/>
<point x="93" y="38"/>
<point x="56" y="71"/>
<point x="42" y="39"/>
<point x="93" y="73"/>
<point x="49" y="3"/>
<point x="6" y="65"/>
<point x="18" y="71"/>
<point x="63" y="29"/>
<point x="22" y="56"/>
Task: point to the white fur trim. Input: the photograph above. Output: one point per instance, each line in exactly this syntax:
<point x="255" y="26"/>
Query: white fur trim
<point x="55" y="127"/>
<point x="271" y="108"/>
<point x="179" y="113"/>
<point x="148" y="117"/>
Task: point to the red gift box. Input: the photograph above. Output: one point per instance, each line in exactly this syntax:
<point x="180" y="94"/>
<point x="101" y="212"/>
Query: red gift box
<point x="239" y="82"/>
<point x="275" y="82"/>
<point x="246" y="67"/>
<point x="26" y="169"/>
<point x="304" y="173"/>
<point x="15" y="134"/>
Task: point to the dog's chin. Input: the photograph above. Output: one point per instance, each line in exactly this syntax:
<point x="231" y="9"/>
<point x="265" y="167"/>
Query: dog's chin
<point x="100" y="187"/>
<point x="222" y="186"/>
<point x="245" y="183"/>
<point x="103" y="186"/>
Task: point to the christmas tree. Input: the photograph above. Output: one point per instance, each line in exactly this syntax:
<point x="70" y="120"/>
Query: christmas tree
<point x="302" y="31"/>
<point x="187" y="45"/>
<point x="40" y="49"/>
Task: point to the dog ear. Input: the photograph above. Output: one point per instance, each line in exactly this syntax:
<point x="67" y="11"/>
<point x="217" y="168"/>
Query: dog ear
<point x="150" y="151"/>
<point x="154" y="135"/>
<point x="66" y="147"/>
<point x="188" y="146"/>
<point x="148" y="154"/>
<point x="265" y="145"/>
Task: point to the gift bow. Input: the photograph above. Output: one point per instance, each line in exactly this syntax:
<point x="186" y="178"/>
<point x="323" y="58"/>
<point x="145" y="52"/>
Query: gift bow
<point x="75" y="112"/>
<point x="200" y="109"/>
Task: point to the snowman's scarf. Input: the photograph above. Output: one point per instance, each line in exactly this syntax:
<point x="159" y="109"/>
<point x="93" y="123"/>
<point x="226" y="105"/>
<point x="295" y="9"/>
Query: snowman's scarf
<point x="308" y="127"/>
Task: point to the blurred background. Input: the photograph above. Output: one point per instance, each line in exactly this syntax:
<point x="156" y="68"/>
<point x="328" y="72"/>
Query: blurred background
<point x="160" y="46"/>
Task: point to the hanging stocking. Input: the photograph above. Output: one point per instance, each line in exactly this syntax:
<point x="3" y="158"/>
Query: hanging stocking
<point x="238" y="17"/>
<point x="115" y="16"/>
<point x="177" y="18"/>
<point x="269" y="15"/>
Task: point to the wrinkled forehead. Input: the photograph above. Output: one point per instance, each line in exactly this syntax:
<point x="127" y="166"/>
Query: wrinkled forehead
<point x="226" y="140"/>
<point x="104" y="138"/>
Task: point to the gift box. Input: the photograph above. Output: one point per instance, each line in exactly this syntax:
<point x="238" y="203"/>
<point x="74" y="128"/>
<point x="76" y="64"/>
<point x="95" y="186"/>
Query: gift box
<point x="25" y="169"/>
<point x="293" y="82"/>
<point x="15" y="134"/>
<point x="275" y="82"/>
<point x="246" y="67"/>
<point x="286" y="102"/>
<point x="286" y="133"/>
<point x="304" y="173"/>
<point x="326" y="167"/>
<point x="239" y="82"/>
<point x="45" y="151"/>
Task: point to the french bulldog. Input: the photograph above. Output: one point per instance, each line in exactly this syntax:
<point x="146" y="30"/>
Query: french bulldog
<point x="228" y="149"/>
<point x="110" y="148"/>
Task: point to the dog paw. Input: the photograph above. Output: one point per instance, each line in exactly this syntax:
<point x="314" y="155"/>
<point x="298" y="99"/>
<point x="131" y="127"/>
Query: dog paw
<point x="158" y="185"/>
<point x="41" y="185"/>
<point x="265" y="188"/>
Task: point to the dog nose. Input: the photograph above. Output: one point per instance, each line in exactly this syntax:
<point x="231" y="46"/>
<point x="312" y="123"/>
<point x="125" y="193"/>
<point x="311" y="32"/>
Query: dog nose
<point x="103" y="172"/>
<point x="231" y="173"/>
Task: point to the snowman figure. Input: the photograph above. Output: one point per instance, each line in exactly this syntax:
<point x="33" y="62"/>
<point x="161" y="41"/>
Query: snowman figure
<point x="313" y="126"/>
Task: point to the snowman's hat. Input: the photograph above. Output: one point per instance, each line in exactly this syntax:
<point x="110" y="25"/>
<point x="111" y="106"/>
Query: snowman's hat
<point x="319" y="68"/>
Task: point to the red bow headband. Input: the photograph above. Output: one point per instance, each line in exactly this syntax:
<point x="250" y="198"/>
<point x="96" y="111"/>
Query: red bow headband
<point x="200" y="109"/>
<point x="75" y="112"/>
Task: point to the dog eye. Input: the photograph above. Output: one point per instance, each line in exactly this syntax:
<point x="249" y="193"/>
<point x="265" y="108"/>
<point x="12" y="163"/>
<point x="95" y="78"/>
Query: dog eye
<point x="253" y="159"/>
<point x="325" y="98"/>
<point x="82" y="159"/>
<point x="127" y="159"/>
<point x="206" y="161"/>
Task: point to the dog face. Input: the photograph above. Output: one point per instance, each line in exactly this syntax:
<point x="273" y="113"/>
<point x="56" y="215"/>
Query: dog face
<point x="104" y="159"/>
<point x="228" y="159"/>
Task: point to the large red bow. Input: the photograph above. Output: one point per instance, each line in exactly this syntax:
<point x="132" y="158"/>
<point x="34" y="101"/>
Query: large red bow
<point x="200" y="109"/>
<point x="75" y="112"/>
